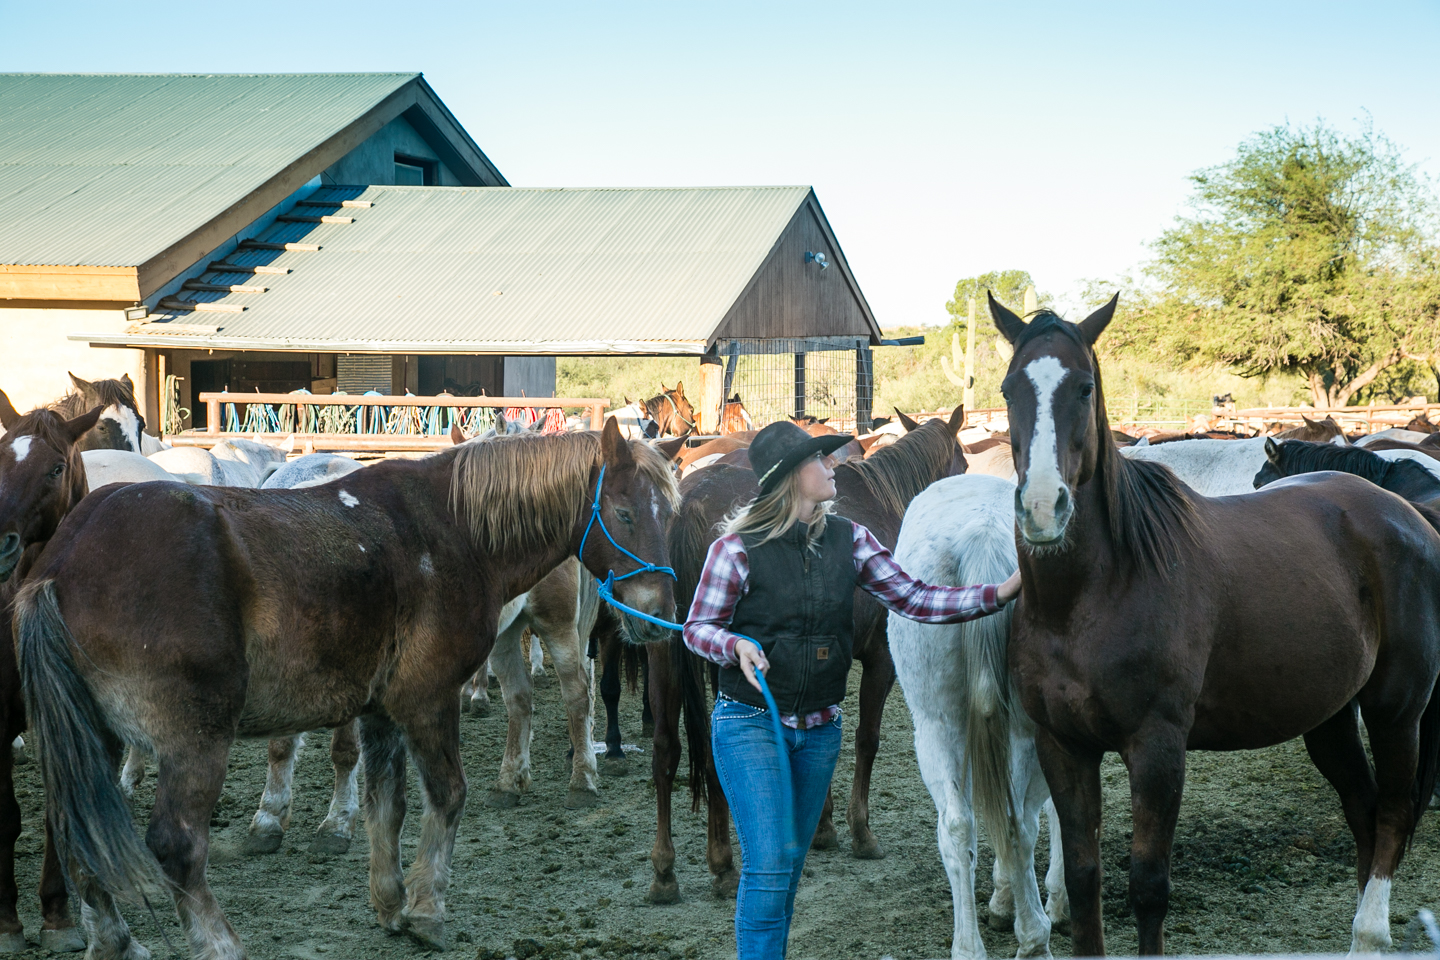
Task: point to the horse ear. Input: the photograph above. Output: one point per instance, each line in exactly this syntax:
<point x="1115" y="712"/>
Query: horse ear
<point x="1009" y="325"/>
<point x="1272" y="450"/>
<point x="457" y="436"/>
<point x="8" y="413"/>
<point x="125" y="379"/>
<point x="613" y="447"/>
<point x="82" y="385"/>
<point x="1307" y="420"/>
<point x="906" y="421"/>
<point x="82" y="424"/>
<point x="501" y="424"/>
<point x="957" y="419"/>
<point x="670" y="449"/>
<point x="1094" y="325"/>
<point x="680" y="387"/>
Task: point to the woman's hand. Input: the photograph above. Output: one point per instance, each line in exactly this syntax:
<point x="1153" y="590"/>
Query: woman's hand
<point x="751" y="658"/>
<point x="1009" y="590"/>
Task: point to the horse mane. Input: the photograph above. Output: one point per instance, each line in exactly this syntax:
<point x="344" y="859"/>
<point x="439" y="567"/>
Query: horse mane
<point x="517" y="489"/>
<point x="49" y="427"/>
<point x="1302" y="456"/>
<point x="1151" y="514"/>
<point x="109" y="393"/>
<point x="897" y="473"/>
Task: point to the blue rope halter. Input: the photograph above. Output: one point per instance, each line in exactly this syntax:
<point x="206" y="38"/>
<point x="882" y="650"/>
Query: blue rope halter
<point x="606" y="590"/>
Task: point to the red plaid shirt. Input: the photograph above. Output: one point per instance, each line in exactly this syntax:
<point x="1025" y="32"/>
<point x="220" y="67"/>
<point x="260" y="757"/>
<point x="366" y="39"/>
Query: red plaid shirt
<point x="726" y="578"/>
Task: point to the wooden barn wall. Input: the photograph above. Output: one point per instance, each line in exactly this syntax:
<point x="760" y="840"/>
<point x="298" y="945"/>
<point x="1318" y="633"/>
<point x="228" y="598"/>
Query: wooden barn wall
<point x="792" y="298"/>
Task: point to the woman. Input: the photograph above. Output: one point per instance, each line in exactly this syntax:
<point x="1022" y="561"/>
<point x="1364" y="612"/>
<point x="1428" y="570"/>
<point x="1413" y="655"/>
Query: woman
<point x="784" y="573"/>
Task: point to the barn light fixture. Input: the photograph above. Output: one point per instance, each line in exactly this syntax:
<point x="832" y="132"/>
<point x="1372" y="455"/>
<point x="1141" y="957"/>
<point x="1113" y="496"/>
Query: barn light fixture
<point x="817" y="258"/>
<point x="136" y="313"/>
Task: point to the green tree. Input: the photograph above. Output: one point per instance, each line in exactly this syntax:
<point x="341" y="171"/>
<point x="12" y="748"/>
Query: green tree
<point x="1309" y="252"/>
<point x="1007" y="285"/>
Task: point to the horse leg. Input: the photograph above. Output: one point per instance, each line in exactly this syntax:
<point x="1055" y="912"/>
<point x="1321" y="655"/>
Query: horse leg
<point x="647" y="715"/>
<point x="272" y="819"/>
<point x="938" y="749"/>
<point x="434" y="741"/>
<point x="572" y="668"/>
<point x="12" y="932"/>
<point x="508" y="660"/>
<point x="876" y="682"/>
<point x="825" y="836"/>
<point x="1156" y="760"/>
<point x="335" y="833"/>
<point x="187" y="787"/>
<point x="475" y="694"/>
<point x="614" y="763"/>
<point x="724" y="878"/>
<point x="664" y="763"/>
<point x="133" y="772"/>
<point x="1031" y="924"/>
<point x="1057" y="898"/>
<point x="1338" y="753"/>
<point x="382" y="752"/>
<point x="537" y="659"/>
<point x="1395" y="744"/>
<point x="1073" y="773"/>
<point x="58" y="933"/>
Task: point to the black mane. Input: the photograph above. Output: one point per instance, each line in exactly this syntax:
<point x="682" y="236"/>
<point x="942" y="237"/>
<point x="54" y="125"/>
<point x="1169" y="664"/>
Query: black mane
<point x="1398" y="476"/>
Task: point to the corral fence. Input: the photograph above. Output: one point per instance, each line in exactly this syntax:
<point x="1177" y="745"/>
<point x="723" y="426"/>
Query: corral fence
<point x="366" y="423"/>
<point x="830" y="378"/>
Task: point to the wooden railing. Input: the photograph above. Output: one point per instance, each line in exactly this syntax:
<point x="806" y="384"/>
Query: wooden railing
<point x="359" y="422"/>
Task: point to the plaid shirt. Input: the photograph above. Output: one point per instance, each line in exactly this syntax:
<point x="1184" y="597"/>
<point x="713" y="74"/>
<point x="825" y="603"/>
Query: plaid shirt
<point x="726" y="578"/>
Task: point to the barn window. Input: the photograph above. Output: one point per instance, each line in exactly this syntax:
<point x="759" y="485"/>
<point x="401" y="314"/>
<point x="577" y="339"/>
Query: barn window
<point x="414" y="172"/>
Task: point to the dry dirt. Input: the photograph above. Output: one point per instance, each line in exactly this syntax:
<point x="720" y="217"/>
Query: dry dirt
<point x="1263" y="863"/>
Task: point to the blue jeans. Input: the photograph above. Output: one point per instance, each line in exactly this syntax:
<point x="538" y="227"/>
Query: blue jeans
<point x="743" y="740"/>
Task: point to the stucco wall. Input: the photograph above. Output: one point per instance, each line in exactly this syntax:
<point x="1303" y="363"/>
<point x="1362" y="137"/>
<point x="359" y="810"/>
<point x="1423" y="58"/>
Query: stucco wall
<point x="35" y="354"/>
<point x="374" y="160"/>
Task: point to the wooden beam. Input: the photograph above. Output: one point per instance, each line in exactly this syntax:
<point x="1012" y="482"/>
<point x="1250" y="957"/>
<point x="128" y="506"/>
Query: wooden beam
<point x="266" y="245"/>
<point x="219" y="266"/>
<point x="27" y="282"/>
<point x="222" y="287"/>
<point x="300" y="218"/>
<point x="175" y="303"/>
<point x="362" y="204"/>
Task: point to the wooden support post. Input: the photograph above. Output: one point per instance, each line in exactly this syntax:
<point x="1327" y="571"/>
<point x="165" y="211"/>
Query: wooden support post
<point x="212" y="415"/>
<point x="799" y="384"/>
<point x="597" y="417"/>
<point x="712" y="394"/>
<point x="162" y="393"/>
<point x="968" y="397"/>
<point x="864" y="387"/>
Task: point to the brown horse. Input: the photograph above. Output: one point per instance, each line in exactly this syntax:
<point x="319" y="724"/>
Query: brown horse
<point x="872" y="492"/>
<point x="41" y="479"/>
<point x="264" y="613"/>
<point x="734" y="418"/>
<point x="671" y="411"/>
<point x="120" y="426"/>
<point x="1153" y="621"/>
<point x="1314" y="431"/>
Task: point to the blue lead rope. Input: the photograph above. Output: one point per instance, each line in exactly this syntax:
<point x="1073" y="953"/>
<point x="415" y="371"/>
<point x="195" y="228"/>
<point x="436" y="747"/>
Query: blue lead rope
<point x="606" y="589"/>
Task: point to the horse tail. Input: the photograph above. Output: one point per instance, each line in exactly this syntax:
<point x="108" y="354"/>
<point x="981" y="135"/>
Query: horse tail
<point x="1429" y="766"/>
<point x="94" y="830"/>
<point x="984" y="647"/>
<point x="689" y="541"/>
<point x="630" y="657"/>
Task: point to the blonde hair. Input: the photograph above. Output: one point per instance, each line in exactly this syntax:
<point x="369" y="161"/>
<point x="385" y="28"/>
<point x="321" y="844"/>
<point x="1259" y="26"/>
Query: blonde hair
<point x="772" y="514"/>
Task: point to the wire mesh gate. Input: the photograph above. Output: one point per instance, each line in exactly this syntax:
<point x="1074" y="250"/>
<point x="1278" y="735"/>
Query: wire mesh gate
<point x="829" y="378"/>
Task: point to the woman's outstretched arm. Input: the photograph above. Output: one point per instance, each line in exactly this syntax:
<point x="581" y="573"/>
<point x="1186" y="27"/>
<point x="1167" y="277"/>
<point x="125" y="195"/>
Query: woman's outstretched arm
<point x="879" y="575"/>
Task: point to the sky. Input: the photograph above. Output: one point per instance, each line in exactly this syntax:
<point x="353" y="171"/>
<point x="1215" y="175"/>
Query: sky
<point x="943" y="140"/>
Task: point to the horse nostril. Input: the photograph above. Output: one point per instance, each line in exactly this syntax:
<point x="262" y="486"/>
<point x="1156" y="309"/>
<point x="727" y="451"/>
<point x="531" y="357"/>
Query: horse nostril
<point x="1062" y="502"/>
<point x="9" y="544"/>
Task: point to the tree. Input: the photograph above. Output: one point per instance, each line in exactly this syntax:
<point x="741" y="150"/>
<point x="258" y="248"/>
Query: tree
<point x="1007" y="285"/>
<point x="1308" y="252"/>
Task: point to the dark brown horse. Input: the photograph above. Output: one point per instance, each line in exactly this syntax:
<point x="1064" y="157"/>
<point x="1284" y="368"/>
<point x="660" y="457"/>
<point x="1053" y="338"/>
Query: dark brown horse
<point x="671" y="411"/>
<point x="120" y="425"/>
<point x="871" y="492"/>
<point x="1153" y="621"/>
<point x="264" y="613"/>
<point x="41" y="479"/>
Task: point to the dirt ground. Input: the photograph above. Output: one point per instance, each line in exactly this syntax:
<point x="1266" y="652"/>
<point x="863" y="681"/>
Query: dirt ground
<point x="1263" y="863"/>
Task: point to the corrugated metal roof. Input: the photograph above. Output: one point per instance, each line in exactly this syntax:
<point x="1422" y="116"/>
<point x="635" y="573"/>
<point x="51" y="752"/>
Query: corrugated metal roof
<point x="109" y="170"/>
<point x="540" y="270"/>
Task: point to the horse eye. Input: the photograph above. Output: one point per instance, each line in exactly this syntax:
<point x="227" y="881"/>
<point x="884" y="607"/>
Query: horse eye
<point x="57" y="471"/>
<point x="1086" y="390"/>
<point x="624" y="515"/>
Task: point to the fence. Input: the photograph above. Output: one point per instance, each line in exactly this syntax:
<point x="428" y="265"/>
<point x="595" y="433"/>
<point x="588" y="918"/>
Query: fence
<point x="361" y="423"/>
<point x="829" y="378"/>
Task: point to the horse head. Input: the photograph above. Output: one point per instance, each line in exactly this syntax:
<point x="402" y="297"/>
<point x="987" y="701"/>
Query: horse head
<point x="1057" y="419"/>
<point x="120" y="424"/>
<point x="636" y="500"/>
<point x="41" y="478"/>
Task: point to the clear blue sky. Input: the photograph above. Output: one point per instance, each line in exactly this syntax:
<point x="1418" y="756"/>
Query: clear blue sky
<point x="943" y="140"/>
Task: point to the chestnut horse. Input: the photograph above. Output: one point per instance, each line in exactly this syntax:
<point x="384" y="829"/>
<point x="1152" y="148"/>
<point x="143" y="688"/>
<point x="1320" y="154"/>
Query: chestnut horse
<point x="1153" y="621"/>
<point x="265" y="613"/>
<point x="671" y="411"/>
<point x="872" y="492"/>
<point x="42" y="478"/>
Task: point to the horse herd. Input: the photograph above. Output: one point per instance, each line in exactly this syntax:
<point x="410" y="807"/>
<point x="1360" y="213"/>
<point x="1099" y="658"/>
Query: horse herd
<point x="1166" y="605"/>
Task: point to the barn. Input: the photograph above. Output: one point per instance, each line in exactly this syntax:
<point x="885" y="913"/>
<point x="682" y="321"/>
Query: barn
<point x="343" y="233"/>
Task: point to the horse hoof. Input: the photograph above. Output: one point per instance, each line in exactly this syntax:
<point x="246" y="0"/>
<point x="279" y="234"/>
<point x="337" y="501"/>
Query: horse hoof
<point x="867" y="849"/>
<point x="581" y="799"/>
<point x="615" y="766"/>
<point x="824" y="839"/>
<point x="1000" y="922"/>
<point x="63" y="940"/>
<point x="502" y="799"/>
<point x="663" y="891"/>
<point x="13" y="943"/>
<point x="726" y="885"/>
<point x="429" y="931"/>
<point x="330" y="845"/>
<point x="257" y="844"/>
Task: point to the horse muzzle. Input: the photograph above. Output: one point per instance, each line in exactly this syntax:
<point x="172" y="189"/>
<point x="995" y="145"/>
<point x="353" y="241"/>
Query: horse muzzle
<point x="1043" y="514"/>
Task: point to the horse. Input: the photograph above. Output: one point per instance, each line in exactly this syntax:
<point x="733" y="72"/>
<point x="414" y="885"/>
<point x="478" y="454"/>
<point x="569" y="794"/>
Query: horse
<point x="42" y="478"/>
<point x="230" y="463"/>
<point x="971" y="736"/>
<point x="1406" y="478"/>
<point x="634" y="421"/>
<point x="1315" y="431"/>
<point x="872" y="492"/>
<point x="1153" y="620"/>
<point x="1393" y="433"/>
<point x="734" y="418"/>
<point x="671" y="411"/>
<point x="223" y="624"/>
<point x="120" y="427"/>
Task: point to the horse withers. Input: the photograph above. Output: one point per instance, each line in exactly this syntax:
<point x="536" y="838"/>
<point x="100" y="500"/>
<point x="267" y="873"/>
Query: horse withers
<point x="1153" y="621"/>
<point x="265" y="613"/>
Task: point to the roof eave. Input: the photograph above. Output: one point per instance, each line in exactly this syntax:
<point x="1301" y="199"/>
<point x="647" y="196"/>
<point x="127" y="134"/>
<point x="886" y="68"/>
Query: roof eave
<point x="497" y="347"/>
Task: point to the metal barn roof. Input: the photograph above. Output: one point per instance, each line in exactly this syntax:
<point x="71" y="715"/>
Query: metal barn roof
<point x="485" y="269"/>
<point x="110" y="170"/>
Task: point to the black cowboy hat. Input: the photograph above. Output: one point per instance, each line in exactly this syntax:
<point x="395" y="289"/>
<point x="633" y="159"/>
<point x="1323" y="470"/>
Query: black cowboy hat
<point x="783" y="446"/>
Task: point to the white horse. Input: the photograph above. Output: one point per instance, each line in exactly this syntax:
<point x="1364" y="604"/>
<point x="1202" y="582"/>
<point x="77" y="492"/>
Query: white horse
<point x="635" y="423"/>
<point x="230" y="463"/>
<point x="1394" y="433"/>
<point x="1224" y="468"/>
<point x="974" y="743"/>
